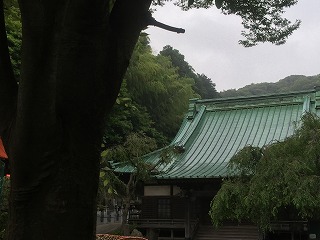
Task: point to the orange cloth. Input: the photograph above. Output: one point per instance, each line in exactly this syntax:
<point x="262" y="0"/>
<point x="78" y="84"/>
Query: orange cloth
<point x="3" y="153"/>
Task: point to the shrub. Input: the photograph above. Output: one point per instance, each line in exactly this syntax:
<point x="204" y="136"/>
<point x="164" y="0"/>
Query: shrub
<point x="4" y="206"/>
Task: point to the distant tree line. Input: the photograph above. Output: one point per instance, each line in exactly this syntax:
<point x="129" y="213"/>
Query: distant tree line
<point x="288" y="84"/>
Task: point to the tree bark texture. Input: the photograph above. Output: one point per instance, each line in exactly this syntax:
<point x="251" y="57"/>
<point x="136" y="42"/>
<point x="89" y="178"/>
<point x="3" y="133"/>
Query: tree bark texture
<point x="74" y="56"/>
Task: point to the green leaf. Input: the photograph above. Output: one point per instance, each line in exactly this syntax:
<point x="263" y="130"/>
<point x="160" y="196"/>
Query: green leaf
<point x="102" y="174"/>
<point x="106" y="182"/>
<point x="190" y="2"/>
<point x="105" y="153"/>
<point x="106" y="169"/>
<point x="126" y="99"/>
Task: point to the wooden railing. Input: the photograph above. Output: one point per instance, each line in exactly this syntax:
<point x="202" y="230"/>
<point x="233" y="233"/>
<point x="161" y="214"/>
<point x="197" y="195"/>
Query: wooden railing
<point x="162" y="223"/>
<point x="167" y="223"/>
<point x="289" y="225"/>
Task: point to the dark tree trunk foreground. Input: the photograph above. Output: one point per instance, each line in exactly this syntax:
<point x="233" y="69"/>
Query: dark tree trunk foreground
<point x="74" y="56"/>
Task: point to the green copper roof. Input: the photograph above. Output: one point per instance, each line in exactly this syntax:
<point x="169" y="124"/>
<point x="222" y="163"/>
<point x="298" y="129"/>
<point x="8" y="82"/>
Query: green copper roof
<point x="215" y="130"/>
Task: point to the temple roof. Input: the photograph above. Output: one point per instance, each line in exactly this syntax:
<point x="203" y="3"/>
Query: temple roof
<point x="214" y="130"/>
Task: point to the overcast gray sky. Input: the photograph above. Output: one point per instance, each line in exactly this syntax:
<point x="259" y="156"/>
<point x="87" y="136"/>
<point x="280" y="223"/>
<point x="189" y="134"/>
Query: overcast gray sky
<point x="210" y="45"/>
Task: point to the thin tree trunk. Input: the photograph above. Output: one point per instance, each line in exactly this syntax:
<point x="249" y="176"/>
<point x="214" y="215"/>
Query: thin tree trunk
<point x="127" y="201"/>
<point x="125" y="225"/>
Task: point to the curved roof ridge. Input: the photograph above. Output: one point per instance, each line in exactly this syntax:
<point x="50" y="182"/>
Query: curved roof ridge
<point x="255" y="97"/>
<point x="214" y="130"/>
<point x="194" y="125"/>
<point x="187" y="128"/>
<point x="218" y="136"/>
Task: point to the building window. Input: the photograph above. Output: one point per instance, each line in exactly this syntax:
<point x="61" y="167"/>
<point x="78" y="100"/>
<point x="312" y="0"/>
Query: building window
<point x="164" y="208"/>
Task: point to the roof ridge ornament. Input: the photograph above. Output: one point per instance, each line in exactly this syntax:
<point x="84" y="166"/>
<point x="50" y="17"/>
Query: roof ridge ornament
<point x="306" y="105"/>
<point x="317" y="96"/>
<point x="192" y="110"/>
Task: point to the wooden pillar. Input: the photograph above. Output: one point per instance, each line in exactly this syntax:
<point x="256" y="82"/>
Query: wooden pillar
<point x="152" y="234"/>
<point x="187" y="219"/>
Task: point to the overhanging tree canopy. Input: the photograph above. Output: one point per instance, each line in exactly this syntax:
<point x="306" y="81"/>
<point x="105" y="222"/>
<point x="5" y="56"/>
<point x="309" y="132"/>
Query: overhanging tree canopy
<point x="262" y="20"/>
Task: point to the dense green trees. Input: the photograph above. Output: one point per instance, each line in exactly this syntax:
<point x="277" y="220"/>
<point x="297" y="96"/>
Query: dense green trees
<point x="153" y="98"/>
<point x="128" y="117"/>
<point x="202" y="84"/>
<point x="277" y="182"/>
<point x="178" y="60"/>
<point x="154" y="83"/>
<point x="205" y="87"/>
<point x="14" y="35"/>
<point x="74" y="57"/>
<point x="4" y="206"/>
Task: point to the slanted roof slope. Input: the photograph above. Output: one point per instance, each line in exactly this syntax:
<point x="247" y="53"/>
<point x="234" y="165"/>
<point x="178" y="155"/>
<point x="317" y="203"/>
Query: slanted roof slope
<point x="214" y="130"/>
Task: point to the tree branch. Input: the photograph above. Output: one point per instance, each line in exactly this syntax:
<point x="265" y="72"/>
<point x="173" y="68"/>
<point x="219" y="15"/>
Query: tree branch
<point x="155" y="23"/>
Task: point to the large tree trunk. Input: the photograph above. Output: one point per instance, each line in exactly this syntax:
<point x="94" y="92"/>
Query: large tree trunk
<point x="74" y="56"/>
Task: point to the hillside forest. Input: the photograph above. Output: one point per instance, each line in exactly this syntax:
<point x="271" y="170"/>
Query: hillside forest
<point x="289" y="84"/>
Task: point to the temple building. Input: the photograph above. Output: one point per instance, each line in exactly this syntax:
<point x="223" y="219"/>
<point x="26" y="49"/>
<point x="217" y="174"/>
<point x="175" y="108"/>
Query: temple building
<point x="176" y="202"/>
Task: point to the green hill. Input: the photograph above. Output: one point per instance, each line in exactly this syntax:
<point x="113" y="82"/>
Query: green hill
<point x="288" y="84"/>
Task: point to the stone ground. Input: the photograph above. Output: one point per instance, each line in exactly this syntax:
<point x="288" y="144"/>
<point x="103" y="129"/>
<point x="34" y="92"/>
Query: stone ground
<point x="107" y="228"/>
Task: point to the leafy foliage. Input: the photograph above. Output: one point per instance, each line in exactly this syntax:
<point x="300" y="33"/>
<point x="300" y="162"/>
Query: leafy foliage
<point x="110" y="187"/>
<point x="126" y="117"/>
<point x="278" y="181"/>
<point x="178" y="61"/>
<point x="4" y="206"/>
<point x="14" y="33"/>
<point x="205" y="87"/>
<point x="202" y="84"/>
<point x="128" y="155"/>
<point x="262" y="20"/>
<point x="154" y="83"/>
